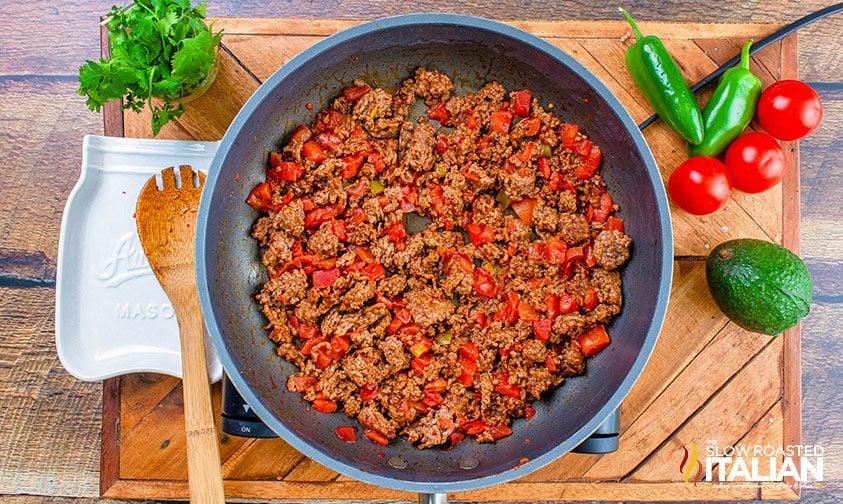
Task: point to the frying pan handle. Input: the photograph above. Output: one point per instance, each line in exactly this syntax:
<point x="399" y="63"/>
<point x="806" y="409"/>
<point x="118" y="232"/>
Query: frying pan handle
<point x="606" y="438"/>
<point x="434" y="498"/>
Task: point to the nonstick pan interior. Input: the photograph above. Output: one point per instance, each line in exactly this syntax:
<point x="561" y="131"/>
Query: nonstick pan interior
<point x="472" y="51"/>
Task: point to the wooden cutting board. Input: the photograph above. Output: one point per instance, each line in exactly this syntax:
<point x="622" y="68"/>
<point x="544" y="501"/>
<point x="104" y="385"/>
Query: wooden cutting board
<point x="707" y="380"/>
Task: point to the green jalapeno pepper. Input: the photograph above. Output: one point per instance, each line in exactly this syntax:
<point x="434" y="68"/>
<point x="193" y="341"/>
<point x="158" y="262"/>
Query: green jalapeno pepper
<point x="659" y="78"/>
<point x="730" y="109"/>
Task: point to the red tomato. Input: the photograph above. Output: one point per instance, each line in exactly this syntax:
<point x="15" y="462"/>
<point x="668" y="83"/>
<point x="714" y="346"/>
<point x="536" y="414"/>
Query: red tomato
<point x="354" y="93"/>
<point x="789" y="110"/>
<point x="313" y="152"/>
<point x="700" y="186"/>
<point x="569" y="135"/>
<point x="396" y="232"/>
<point x="377" y="437"/>
<point x="301" y="134"/>
<point x="542" y="329"/>
<point x="594" y="340"/>
<point x="351" y="165"/>
<point x="374" y="271"/>
<point x="484" y="283"/>
<point x="325" y="278"/>
<point x="499" y="431"/>
<point x="524" y="210"/>
<point x="530" y="127"/>
<point x="756" y="162"/>
<point x="347" y="434"/>
<point x="508" y="390"/>
<point x="437" y="385"/>
<point x="501" y="120"/>
<point x="438" y="113"/>
<point x="480" y="234"/>
<point x="521" y="102"/>
<point x="323" y="405"/>
<point x="474" y="427"/>
<point x="368" y="391"/>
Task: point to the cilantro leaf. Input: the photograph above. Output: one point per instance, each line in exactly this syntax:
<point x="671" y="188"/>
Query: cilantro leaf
<point x="159" y="48"/>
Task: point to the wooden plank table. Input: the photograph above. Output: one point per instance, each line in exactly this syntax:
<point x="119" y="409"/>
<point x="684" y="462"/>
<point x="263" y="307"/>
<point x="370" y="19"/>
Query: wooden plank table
<point x="721" y="384"/>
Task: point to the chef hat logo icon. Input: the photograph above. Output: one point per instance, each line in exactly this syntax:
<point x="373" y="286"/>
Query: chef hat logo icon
<point x="690" y="463"/>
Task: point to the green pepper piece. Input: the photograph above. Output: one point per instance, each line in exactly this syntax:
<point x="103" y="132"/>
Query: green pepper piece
<point x="656" y="74"/>
<point x="730" y="109"/>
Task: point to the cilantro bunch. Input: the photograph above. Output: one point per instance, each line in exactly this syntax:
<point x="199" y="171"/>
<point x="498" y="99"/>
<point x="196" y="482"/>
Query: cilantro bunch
<point x="159" y="48"/>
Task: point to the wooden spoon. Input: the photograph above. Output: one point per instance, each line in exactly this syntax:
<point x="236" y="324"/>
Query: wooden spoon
<point x="166" y="222"/>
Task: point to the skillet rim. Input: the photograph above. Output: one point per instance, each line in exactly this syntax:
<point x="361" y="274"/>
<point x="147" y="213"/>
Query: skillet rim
<point x="662" y="209"/>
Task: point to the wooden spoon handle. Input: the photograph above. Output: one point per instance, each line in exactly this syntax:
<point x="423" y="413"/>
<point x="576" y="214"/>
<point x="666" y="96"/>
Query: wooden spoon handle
<point x="203" y="453"/>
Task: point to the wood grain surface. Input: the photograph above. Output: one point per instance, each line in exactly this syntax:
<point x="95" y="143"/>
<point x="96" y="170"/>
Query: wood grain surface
<point x="50" y="423"/>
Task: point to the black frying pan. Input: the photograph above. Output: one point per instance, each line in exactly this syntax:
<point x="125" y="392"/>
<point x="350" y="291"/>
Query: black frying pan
<point x="384" y="53"/>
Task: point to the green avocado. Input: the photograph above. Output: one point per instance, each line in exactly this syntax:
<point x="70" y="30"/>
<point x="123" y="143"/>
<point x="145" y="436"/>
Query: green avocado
<point x="759" y="285"/>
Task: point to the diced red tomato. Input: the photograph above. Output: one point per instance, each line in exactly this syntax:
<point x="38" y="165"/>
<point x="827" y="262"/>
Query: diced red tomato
<point x="467" y="371"/>
<point x="340" y="229"/>
<point x="307" y="204"/>
<point x="551" y="305"/>
<point x="480" y="319"/>
<point x="574" y="254"/>
<point x="402" y="316"/>
<point x="301" y="134"/>
<point x="418" y="406"/>
<point x="473" y="427"/>
<point x="529" y="413"/>
<point x="508" y="390"/>
<point x="525" y="155"/>
<point x="454" y="438"/>
<point x="437" y="385"/>
<point x="328" y="120"/>
<point x="260" y="198"/>
<point x="304" y="383"/>
<point x="480" y="234"/>
<point x="374" y="272"/>
<point x="484" y="284"/>
<point x="432" y="399"/>
<point x="542" y="329"/>
<point x="614" y="224"/>
<point x="365" y="255"/>
<point x="323" y="357"/>
<point x="567" y="304"/>
<point x="594" y="340"/>
<point x="329" y="140"/>
<point x="346" y="433"/>
<point x="501" y="121"/>
<point x="527" y="313"/>
<point x="323" y="405"/>
<point x="589" y="165"/>
<point x="468" y="351"/>
<point x="351" y="165"/>
<point x="275" y="159"/>
<point x="471" y="122"/>
<point x="441" y="143"/>
<point x="439" y="113"/>
<point x="354" y="93"/>
<point x="530" y="126"/>
<point x="535" y="251"/>
<point x="377" y="437"/>
<point x="396" y="232"/>
<point x="313" y="151"/>
<point x="555" y="183"/>
<point x="319" y="216"/>
<point x="556" y="251"/>
<point x="358" y="215"/>
<point x="378" y="163"/>
<point x="368" y="391"/>
<point x="588" y="256"/>
<point x="550" y="364"/>
<point x="521" y="102"/>
<point x="509" y="313"/>
<point x="590" y="299"/>
<point x="325" y="278"/>
<point x="359" y="189"/>
<point x="524" y="209"/>
<point x="569" y="135"/>
<point x="286" y="171"/>
<point x="340" y="345"/>
<point x="499" y="431"/>
<point x="419" y="363"/>
<point x="583" y="147"/>
<point x="602" y="211"/>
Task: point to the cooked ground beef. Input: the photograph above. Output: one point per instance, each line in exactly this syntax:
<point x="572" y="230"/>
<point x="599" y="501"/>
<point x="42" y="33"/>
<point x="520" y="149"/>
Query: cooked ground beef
<point x="452" y="325"/>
